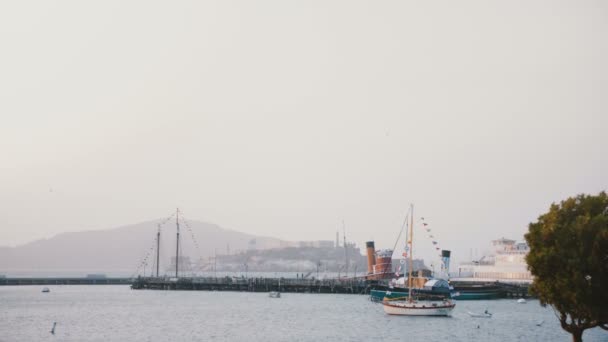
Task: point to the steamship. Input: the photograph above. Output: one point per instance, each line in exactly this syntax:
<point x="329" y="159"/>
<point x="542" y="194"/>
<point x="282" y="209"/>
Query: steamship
<point x="379" y="267"/>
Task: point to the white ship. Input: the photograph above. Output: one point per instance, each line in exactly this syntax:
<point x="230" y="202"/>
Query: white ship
<point x="506" y="264"/>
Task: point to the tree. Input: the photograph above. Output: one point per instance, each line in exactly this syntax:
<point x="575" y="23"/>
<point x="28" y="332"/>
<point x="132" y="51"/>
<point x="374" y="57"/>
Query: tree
<point x="569" y="260"/>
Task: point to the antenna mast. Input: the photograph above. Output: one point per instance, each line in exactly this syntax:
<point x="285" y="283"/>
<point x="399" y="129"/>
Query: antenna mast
<point x="345" y="248"/>
<point x="411" y="266"/>
<point x="157" y="249"/>
<point x="177" y="242"/>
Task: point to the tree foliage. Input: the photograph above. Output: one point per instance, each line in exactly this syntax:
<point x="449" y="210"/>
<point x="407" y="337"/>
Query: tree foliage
<point x="569" y="260"/>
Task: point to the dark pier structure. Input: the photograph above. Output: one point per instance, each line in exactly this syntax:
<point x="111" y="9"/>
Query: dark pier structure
<point x="350" y="286"/>
<point x="65" y="281"/>
<point x="516" y="290"/>
<point x="346" y="286"/>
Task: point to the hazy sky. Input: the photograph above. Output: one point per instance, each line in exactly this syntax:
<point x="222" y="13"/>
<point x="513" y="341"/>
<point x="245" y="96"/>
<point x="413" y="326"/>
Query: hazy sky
<point x="283" y="118"/>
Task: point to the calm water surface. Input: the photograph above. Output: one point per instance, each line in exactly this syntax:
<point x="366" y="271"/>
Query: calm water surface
<point x="117" y="313"/>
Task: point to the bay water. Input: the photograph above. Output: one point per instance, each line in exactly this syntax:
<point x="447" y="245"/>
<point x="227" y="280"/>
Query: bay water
<point x="117" y="313"/>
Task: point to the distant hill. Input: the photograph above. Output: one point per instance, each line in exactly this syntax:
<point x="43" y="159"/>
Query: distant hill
<point x="122" y="249"/>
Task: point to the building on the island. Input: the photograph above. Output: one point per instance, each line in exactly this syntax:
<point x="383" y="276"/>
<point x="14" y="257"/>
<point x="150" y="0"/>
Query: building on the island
<point x="313" y="244"/>
<point x="317" y="244"/>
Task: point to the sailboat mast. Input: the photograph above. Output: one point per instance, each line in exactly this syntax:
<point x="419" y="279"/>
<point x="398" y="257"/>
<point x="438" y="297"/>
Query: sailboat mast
<point x="157" y="249"/>
<point x="411" y="265"/>
<point x="345" y="248"/>
<point x="177" y="242"/>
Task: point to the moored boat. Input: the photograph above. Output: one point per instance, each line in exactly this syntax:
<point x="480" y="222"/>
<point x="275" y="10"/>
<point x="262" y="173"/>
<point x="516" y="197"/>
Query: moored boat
<point x="380" y="295"/>
<point x="485" y="314"/>
<point x="478" y="291"/>
<point x="418" y="307"/>
<point x="411" y="306"/>
<point x="433" y="289"/>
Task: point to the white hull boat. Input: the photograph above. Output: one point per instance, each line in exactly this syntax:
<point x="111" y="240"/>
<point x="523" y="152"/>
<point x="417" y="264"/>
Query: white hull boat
<point x="274" y="294"/>
<point x="480" y="315"/>
<point x="418" y="308"/>
<point x="411" y="306"/>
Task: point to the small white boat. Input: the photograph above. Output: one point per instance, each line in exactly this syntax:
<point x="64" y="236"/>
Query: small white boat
<point x="485" y="314"/>
<point x="539" y="323"/>
<point x="274" y="294"/>
<point x="521" y="301"/>
<point x="418" y="308"/>
<point x="45" y="290"/>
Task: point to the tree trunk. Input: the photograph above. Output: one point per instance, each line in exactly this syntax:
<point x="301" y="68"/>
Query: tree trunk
<point x="577" y="335"/>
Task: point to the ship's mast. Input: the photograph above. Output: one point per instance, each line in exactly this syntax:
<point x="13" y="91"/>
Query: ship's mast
<point x="157" y="249"/>
<point x="345" y="248"/>
<point x="411" y="265"/>
<point x="177" y="243"/>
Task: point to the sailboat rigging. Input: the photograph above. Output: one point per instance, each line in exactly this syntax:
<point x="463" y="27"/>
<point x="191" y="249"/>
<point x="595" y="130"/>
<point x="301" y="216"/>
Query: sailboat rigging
<point x="412" y="306"/>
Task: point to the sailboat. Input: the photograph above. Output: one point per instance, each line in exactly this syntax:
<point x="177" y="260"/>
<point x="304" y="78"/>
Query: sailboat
<point x="411" y="306"/>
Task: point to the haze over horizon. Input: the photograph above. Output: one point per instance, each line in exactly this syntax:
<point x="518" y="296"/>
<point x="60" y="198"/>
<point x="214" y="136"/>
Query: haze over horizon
<point x="282" y="118"/>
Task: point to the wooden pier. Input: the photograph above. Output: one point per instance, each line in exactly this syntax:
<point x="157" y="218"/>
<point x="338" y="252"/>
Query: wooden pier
<point x="350" y="286"/>
<point x="252" y="284"/>
<point x="65" y="281"/>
